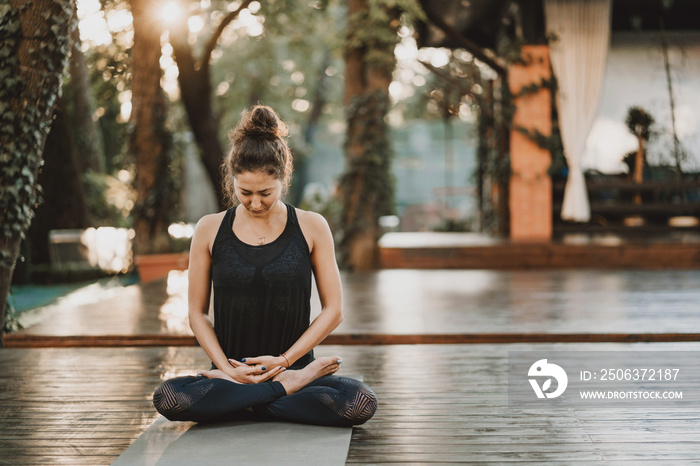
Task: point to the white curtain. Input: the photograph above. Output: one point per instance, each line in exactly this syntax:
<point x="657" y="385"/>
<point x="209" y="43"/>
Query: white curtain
<point x="579" y="32"/>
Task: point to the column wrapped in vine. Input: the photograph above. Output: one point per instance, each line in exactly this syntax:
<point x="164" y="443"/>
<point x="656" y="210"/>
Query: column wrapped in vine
<point x="34" y="46"/>
<point x="367" y="185"/>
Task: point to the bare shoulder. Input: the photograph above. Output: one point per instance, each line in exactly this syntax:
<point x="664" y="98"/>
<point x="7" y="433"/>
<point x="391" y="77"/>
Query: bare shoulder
<point x="312" y="222"/>
<point x="211" y="221"/>
<point x="207" y="227"/>
<point x="315" y="228"/>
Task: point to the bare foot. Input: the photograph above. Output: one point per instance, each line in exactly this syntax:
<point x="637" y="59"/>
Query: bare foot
<point x="295" y="380"/>
<point x="216" y="374"/>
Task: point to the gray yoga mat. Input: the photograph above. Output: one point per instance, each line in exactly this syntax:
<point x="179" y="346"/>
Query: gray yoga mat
<point x="240" y="442"/>
<point x="167" y="443"/>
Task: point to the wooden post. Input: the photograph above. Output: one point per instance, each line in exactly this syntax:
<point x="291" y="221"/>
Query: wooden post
<point x="530" y="198"/>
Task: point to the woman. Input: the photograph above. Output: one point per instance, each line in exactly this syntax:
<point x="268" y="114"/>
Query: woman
<point x="258" y="257"/>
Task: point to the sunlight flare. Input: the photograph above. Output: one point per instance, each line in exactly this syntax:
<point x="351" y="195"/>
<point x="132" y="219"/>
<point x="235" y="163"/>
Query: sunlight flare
<point x="170" y="12"/>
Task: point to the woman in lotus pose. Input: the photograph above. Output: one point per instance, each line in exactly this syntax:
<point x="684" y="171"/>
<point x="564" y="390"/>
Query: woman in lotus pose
<point x="258" y="257"/>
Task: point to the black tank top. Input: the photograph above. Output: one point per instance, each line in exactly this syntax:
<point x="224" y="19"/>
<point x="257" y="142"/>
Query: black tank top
<point x="262" y="294"/>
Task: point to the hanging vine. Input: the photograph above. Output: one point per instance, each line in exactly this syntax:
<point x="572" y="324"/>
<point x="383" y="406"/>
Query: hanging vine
<point x="367" y="112"/>
<point x="551" y="143"/>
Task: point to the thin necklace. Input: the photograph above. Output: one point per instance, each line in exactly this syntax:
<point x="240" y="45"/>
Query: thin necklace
<point x="261" y="238"/>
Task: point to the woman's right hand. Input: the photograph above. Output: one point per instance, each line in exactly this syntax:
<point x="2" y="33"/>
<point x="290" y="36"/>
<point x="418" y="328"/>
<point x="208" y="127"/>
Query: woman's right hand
<point x="244" y="373"/>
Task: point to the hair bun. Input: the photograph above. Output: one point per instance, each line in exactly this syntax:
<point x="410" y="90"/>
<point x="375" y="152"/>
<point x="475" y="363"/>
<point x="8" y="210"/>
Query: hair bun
<point x="264" y="124"/>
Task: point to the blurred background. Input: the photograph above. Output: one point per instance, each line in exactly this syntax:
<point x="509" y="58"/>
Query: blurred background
<point x="415" y="110"/>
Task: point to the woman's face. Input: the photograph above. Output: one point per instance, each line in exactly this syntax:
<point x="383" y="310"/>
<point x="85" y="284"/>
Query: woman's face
<point x="258" y="191"/>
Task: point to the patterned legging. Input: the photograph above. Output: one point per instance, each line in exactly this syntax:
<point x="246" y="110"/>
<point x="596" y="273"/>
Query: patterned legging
<point x="330" y="400"/>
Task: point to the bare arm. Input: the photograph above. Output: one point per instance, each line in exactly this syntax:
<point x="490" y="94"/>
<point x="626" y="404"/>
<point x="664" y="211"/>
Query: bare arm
<point x="200" y="290"/>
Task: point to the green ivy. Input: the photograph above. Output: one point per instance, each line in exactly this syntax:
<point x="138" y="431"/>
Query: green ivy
<point x="164" y="195"/>
<point x="374" y="30"/>
<point x="534" y="88"/>
<point x="375" y="166"/>
<point x="372" y="168"/>
<point x="551" y="143"/>
<point x="25" y="124"/>
<point x="12" y="322"/>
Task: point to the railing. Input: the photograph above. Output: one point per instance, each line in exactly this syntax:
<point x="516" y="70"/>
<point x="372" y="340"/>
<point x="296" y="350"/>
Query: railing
<point x="619" y="205"/>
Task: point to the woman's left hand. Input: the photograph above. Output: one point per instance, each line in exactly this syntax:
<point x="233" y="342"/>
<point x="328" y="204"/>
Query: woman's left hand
<point x="267" y="361"/>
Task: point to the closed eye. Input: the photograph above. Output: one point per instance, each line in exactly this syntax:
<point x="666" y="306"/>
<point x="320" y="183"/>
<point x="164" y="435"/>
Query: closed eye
<point x="248" y="193"/>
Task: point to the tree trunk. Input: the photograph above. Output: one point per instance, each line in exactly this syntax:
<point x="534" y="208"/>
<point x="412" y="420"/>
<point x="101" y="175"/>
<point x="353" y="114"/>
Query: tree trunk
<point x="35" y="37"/>
<point x="11" y="248"/>
<point x="65" y="203"/>
<point x="196" y="95"/>
<point x="150" y="143"/>
<point x="88" y="144"/>
<point x="366" y="185"/>
<point x="639" y="166"/>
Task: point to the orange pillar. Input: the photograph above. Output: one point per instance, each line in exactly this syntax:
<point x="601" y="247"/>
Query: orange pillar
<point x="530" y="185"/>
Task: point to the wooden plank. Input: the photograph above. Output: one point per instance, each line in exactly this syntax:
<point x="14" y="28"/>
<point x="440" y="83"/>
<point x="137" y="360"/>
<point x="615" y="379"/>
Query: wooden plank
<point x="437" y="404"/>
<point x="118" y="341"/>
<point x="514" y="256"/>
<point x="71" y="460"/>
<point x="19" y="340"/>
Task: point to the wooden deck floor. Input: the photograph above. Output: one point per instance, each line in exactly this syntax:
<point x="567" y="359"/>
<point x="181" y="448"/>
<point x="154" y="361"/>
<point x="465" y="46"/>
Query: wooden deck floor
<point x="438" y="404"/>
<point x="413" y="306"/>
<point x="442" y="403"/>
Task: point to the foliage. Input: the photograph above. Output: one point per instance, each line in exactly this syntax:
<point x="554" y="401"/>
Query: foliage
<point x="23" y="130"/>
<point x="12" y="322"/>
<point x="165" y="191"/>
<point x="367" y="184"/>
<point x="108" y="65"/>
<point x="510" y="48"/>
<point x="374" y="30"/>
<point x="324" y="204"/>
<point x="638" y="121"/>
<point x="552" y="143"/>
<point x="534" y="88"/>
<point x="459" y="84"/>
<point x="455" y="225"/>
<point x="110" y="200"/>
<point x="283" y="66"/>
<point x="374" y="167"/>
<point x="630" y="160"/>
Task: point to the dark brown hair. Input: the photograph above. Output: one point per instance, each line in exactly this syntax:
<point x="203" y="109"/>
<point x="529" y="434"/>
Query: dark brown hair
<point x="258" y="143"/>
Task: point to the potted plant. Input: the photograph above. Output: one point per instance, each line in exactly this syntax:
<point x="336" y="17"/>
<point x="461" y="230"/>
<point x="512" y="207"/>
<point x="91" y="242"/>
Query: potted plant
<point x="154" y="266"/>
<point x="159" y="245"/>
